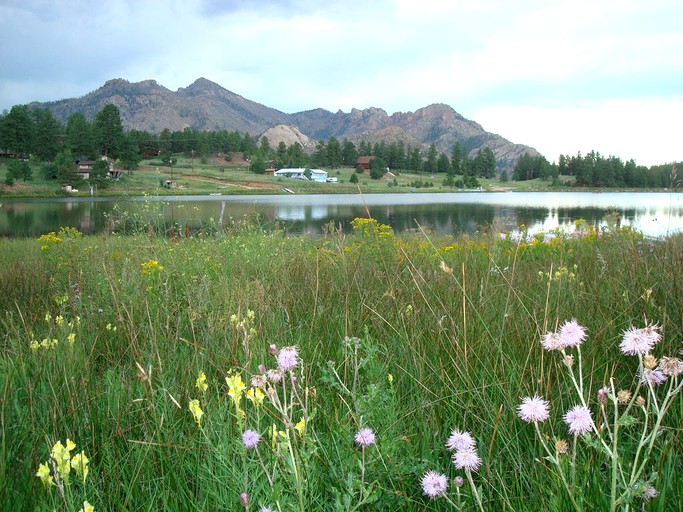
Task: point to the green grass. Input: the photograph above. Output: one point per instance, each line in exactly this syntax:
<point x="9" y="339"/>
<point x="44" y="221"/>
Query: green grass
<point x="460" y="339"/>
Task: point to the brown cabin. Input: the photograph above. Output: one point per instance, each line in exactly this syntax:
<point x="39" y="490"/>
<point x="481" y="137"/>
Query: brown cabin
<point x="364" y="162"/>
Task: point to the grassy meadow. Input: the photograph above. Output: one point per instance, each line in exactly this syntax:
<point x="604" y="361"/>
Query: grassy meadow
<point x="168" y="363"/>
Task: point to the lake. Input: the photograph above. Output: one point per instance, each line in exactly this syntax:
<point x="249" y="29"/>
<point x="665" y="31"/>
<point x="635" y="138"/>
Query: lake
<point x="655" y="214"/>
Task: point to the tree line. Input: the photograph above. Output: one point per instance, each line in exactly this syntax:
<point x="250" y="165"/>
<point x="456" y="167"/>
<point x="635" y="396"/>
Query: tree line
<point x="39" y="134"/>
<point x="596" y="170"/>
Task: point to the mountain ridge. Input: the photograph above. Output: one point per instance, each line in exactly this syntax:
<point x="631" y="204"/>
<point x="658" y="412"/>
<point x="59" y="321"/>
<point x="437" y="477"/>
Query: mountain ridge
<point x="205" y="105"/>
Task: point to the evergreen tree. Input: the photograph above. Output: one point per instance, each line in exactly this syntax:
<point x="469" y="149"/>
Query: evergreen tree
<point x="108" y="130"/>
<point x="65" y="168"/>
<point x="16" y="130"/>
<point x="99" y="176"/>
<point x="333" y="152"/>
<point x="456" y="158"/>
<point x="377" y="168"/>
<point x="443" y="164"/>
<point x="430" y="165"/>
<point x="47" y="135"/>
<point x="349" y="153"/>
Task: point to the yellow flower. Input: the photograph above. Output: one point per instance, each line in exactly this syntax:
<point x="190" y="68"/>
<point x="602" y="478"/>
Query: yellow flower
<point x="196" y="411"/>
<point x="34" y="345"/>
<point x="71" y="338"/>
<point x="79" y="463"/>
<point x="390" y="378"/>
<point x="255" y="396"/>
<point x="44" y="474"/>
<point x="87" y="507"/>
<point x="235" y="386"/>
<point x="61" y="456"/>
<point x="301" y="427"/>
<point x="48" y="317"/>
<point x="201" y="382"/>
<point x="59" y="320"/>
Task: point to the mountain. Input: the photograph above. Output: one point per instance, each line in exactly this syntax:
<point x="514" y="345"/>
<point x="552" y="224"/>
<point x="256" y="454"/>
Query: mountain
<point x="205" y="105"/>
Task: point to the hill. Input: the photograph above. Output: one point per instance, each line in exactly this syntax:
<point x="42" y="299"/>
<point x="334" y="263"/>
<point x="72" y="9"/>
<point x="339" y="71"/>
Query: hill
<point x="205" y="105"/>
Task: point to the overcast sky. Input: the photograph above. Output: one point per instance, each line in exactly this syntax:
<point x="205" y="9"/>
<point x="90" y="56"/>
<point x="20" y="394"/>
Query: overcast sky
<point x="561" y="76"/>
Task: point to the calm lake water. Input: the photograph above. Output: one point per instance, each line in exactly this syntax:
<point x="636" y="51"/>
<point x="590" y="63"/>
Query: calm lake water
<point x="655" y="214"/>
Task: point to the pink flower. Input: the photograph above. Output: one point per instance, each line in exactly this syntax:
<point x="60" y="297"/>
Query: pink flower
<point x="552" y="341"/>
<point x="572" y="333"/>
<point x="365" y="437"/>
<point x="603" y="393"/>
<point x="639" y="341"/>
<point x="467" y="460"/>
<point x="250" y="439"/>
<point x="434" y="484"/>
<point x="534" y="409"/>
<point x="287" y="358"/>
<point x="244" y="499"/>
<point x="579" y="419"/>
<point x="460" y="441"/>
<point x="654" y="377"/>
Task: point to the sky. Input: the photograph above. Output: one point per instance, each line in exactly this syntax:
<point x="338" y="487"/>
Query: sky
<point x="561" y="76"/>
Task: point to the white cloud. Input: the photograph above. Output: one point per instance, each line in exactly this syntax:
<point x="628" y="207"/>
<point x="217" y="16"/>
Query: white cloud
<point x="645" y="130"/>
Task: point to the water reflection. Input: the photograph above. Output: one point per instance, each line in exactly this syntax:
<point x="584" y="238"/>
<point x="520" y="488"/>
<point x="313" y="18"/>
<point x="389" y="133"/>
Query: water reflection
<point x="656" y="214"/>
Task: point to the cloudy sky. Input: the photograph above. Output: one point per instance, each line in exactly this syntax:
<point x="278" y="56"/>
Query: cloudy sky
<point x="561" y="76"/>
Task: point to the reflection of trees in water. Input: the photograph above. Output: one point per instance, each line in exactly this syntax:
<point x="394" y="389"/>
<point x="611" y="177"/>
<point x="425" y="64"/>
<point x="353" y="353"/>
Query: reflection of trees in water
<point x="33" y="218"/>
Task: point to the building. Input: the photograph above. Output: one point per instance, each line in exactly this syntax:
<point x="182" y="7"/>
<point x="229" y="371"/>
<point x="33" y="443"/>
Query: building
<point x="364" y="162"/>
<point x="299" y="173"/>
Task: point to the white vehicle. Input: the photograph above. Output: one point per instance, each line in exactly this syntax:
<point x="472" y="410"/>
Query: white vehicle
<point x="331" y="180"/>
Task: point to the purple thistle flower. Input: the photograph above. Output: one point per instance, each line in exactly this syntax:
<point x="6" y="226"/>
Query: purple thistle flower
<point x="272" y="349"/>
<point x="244" y="499"/>
<point x="572" y="333"/>
<point x="460" y="441"/>
<point x="458" y="481"/>
<point x="287" y="358"/>
<point x="467" y="460"/>
<point x="534" y="409"/>
<point x="639" y="341"/>
<point x="250" y="439"/>
<point x="654" y="377"/>
<point x="434" y="484"/>
<point x="365" y="437"/>
<point x="552" y="341"/>
<point x="579" y="419"/>
<point x="603" y="393"/>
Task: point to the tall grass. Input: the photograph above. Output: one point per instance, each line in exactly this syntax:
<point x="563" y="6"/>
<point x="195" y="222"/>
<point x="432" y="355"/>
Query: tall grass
<point x="412" y="336"/>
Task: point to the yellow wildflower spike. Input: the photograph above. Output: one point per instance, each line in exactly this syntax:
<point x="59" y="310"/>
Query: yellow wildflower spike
<point x="301" y="427"/>
<point x="201" y="382"/>
<point x="44" y="474"/>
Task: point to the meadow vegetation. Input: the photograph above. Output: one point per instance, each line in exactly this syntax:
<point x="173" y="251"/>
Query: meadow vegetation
<point x="248" y="369"/>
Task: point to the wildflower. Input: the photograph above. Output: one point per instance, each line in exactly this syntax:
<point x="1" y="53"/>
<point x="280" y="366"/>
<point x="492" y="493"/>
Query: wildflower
<point x="255" y="396"/>
<point x="301" y="427"/>
<point x="623" y="396"/>
<point x="244" y="499"/>
<point x="390" y="378"/>
<point x="649" y="493"/>
<point x="196" y="411"/>
<point x="71" y="338"/>
<point x="534" y="409"/>
<point x="639" y="341"/>
<point x="460" y="441"/>
<point x="274" y="376"/>
<point x="201" y="382"/>
<point x="259" y="381"/>
<point x="59" y="320"/>
<point x="445" y="268"/>
<point x="458" y="481"/>
<point x="572" y="333"/>
<point x="650" y="361"/>
<point x="48" y="317"/>
<point x="568" y="360"/>
<point x="287" y="358"/>
<point x="671" y="366"/>
<point x="272" y="349"/>
<point x="579" y="419"/>
<point x="235" y="388"/>
<point x="250" y="439"/>
<point x="44" y="474"/>
<point x="61" y="455"/>
<point x="654" y="377"/>
<point x="467" y="460"/>
<point x="561" y="446"/>
<point x="365" y="437"/>
<point x="603" y="393"/>
<point x="34" y="345"/>
<point x="266" y="509"/>
<point x="434" y="484"/>
<point x="640" y="401"/>
<point x="552" y="341"/>
<point x="87" y="507"/>
<point x="79" y="463"/>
